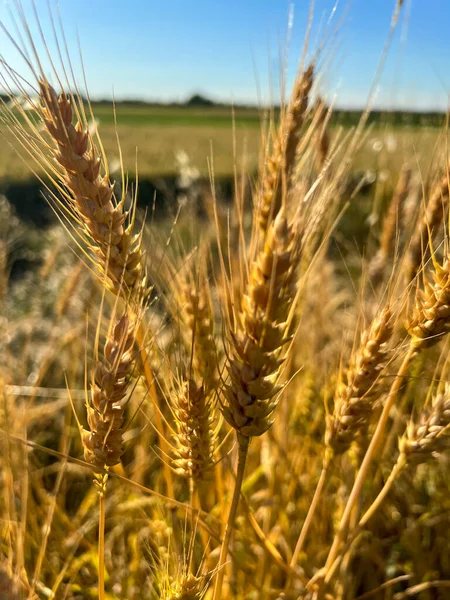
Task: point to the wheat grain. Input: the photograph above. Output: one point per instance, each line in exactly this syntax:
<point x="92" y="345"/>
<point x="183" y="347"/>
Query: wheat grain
<point x="356" y="392"/>
<point x="195" y="438"/>
<point x="431" y="316"/>
<point x="103" y="442"/>
<point x="107" y="224"/>
<point x="257" y="344"/>
<point x="430" y="435"/>
<point x="427" y="227"/>
<point x="281" y="161"/>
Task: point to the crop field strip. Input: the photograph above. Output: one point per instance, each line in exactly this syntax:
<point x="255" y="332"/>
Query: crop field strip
<point x="151" y="137"/>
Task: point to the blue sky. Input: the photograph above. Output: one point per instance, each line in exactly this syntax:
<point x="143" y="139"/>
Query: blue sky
<point x="169" y="49"/>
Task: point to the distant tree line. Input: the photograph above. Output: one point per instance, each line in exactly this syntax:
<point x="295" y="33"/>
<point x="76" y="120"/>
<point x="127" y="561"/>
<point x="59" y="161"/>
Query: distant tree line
<point x="340" y="116"/>
<point x="395" y="118"/>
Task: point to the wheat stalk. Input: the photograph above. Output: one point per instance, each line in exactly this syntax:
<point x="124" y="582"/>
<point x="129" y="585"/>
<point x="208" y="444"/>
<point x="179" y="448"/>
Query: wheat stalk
<point x="257" y="342"/>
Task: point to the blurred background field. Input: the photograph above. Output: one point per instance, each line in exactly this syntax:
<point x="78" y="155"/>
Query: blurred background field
<point x="225" y="137"/>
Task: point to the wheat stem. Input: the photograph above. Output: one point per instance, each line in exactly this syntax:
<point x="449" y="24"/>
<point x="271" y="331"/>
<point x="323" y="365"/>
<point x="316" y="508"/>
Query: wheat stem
<point x="370" y="454"/>
<point x="397" y="469"/>
<point x="269" y="547"/>
<point x="101" y="538"/>
<point x="140" y="337"/>
<point x="194" y="514"/>
<point x="242" y="459"/>
<point x="312" y="509"/>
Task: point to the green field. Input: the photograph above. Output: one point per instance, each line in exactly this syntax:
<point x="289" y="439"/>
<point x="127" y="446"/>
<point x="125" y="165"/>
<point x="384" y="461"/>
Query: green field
<point x="152" y="136"/>
<point x="135" y="114"/>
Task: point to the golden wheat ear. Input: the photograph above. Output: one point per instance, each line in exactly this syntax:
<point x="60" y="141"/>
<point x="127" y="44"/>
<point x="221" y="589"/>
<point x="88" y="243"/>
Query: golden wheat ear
<point x="322" y="135"/>
<point x="192" y="292"/>
<point x="280" y="161"/>
<point x="391" y="226"/>
<point x="430" y="320"/>
<point x="358" y="389"/>
<point x="107" y="225"/>
<point x="189" y="587"/>
<point x="195" y="438"/>
<point x="258" y="340"/>
<point x="54" y="140"/>
<point x="428" y="226"/>
<point x="103" y="441"/>
<point x="428" y="436"/>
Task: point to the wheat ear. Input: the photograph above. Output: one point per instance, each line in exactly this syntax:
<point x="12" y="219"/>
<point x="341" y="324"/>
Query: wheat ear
<point x="108" y="226"/>
<point x="431" y="316"/>
<point x="354" y="402"/>
<point x="426" y="228"/>
<point x="103" y="443"/>
<point x="193" y="399"/>
<point x="258" y="340"/>
<point x="357" y="390"/>
<point x="256" y="351"/>
<point x="430" y="435"/>
<point x="195" y="436"/>
<point x="431" y="320"/>
<point x="378" y="264"/>
<point x="420" y="443"/>
<point x="189" y="588"/>
<point x="281" y="161"/>
<point x="322" y="137"/>
<point x="198" y="318"/>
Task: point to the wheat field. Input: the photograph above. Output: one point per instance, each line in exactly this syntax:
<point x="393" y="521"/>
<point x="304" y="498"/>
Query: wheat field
<point x="248" y="397"/>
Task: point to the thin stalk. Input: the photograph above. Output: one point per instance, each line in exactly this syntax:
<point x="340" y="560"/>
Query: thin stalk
<point x="196" y="506"/>
<point x="194" y="516"/>
<point x="242" y="459"/>
<point x="266" y="543"/>
<point x="140" y="337"/>
<point x="369" y="456"/>
<point x="397" y="469"/>
<point x="312" y="509"/>
<point x="396" y="430"/>
<point x="220" y="490"/>
<point x="101" y="538"/>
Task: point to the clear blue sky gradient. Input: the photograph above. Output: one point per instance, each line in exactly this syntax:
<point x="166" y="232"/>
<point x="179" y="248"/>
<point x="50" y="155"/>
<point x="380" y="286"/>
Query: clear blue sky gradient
<point x="168" y="49"/>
